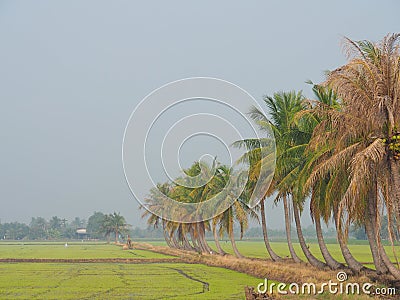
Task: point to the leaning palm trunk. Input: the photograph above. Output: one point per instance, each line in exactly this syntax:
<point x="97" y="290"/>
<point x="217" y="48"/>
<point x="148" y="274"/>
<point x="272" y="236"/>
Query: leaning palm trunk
<point x="166" y="236"/>
<point x="234" y="247"/>
<point x="288" y="231"/>
<point x="352" y="263"/>
<point x="199" y="239"/>
<point x="390" y="266"/>
<point x="395" y="172"/>
<point x="167" y="239"/>
<point x="203" y="238"/>
<point x="216" y="239"/>
<point x="175" y="241"/>
<point x="186" y="243"/>
<point x="385" y="262"/>
<point x="310" y="257"/>
<point x="271" y="252"/>
<point x="193" y="238"/>
<point x="371" y="230"/>
<point x="330" y="261"/>
<point x="232" y="238"/>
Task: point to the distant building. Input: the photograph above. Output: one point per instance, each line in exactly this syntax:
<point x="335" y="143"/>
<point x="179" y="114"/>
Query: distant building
<point x="81" y="233"/>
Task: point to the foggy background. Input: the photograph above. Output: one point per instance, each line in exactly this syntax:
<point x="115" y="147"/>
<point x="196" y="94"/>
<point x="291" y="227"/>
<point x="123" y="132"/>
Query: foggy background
<point x="71" y="73"/>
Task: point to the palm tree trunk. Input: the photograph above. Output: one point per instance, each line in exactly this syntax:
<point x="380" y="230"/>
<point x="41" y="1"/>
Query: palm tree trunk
<point x="166" y="236"/>
<point x="232" y="238"/>
<point x="385" y="261"/>
<point x="391" y="267"/>
<point x="372" y="230"/>
<point x="193" y="238"/>
<point x="369" y="230"/>
<point x="352" y="263"/>
<point x="186" y="243"/>
<point x="174" y="240"/>
<point x="271" y="252"/>
<point x="288" y="231"/>
<point x="216" y="239"/>
<point x="395" y="171"/>
<point x="203" y="237"/>
<point x="188" y="246"/>
<point x="167" y="239"/>
<point x="200" y="238"/>
<point x="330" y="261"/>
<point x="310" y="257"/>
<point x="116" y="236"/>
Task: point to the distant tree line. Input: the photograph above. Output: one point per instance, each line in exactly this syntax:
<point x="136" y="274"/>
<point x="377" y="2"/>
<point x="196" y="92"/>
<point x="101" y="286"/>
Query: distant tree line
<point x="98" y="226"/>
<point x="103" y="227"/>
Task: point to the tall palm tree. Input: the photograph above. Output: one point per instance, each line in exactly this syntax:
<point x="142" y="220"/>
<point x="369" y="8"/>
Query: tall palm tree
<point x="291" y="143"/>
<point x="325" y="193"/>
<point x="363" y="135"/>
<point x="117" y="223"/>
<point x="291" y="159"/>
<point x="282" y="108"/>
<point x="319" y="204"/>
<point x="254" y="158"/>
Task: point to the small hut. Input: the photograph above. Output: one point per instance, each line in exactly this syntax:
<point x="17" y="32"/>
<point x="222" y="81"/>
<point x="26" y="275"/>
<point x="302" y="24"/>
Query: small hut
<point x="82" y="234"/>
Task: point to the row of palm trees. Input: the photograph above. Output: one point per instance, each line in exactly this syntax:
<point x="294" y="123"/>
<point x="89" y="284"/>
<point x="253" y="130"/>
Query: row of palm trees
<point x="340" y="150"/>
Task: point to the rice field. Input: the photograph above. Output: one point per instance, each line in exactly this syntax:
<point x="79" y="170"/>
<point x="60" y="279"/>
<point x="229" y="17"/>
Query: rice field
<point x="145" y="275"/>
<point x="111" y="280"/>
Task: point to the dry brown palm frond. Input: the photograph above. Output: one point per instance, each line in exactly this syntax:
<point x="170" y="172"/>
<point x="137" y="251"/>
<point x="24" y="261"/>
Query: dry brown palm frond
<point x="390" y="41"/>
<point x="369" y="89"/>
<point x="351" y="49"/>
<point x="348" y="89"/>
<point x="362" y="173"/>
<point x="373" y="153"/>
<point x="336" y="161"/>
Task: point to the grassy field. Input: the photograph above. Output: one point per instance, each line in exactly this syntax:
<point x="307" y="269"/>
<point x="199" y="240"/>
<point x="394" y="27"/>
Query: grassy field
<point x="110" y="280"/>
<point x="74" y="250"/>
<point x="142" y="280"/>
<point x="106" y="281"/>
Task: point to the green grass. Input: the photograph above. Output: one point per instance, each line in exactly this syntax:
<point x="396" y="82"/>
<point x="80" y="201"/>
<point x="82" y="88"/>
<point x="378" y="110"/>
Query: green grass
<point x="257" y="249"/>
<point x="131" y="281"/>
<point x="105" y="281"/>
<point x="110" y="280"/>
<point x="74" y="250"/>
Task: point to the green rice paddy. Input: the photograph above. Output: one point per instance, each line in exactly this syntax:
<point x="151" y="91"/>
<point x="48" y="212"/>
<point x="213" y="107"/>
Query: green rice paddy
<point x="151" y="279"/>
<point x="25" y="280"/>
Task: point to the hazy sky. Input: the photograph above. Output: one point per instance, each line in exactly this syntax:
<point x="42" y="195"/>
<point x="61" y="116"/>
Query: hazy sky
<point x="71" y="72"/>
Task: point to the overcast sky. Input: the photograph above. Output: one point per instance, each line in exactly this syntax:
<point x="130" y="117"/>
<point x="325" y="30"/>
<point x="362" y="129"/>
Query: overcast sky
<point x="71" y="72"/>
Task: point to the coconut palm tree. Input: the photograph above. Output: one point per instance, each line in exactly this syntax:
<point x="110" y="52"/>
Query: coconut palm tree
<point x="253" y="157"/>
<point x="291" y="143"/>
<point x="319" y="204"/>
<point x="282" y="108"/>
<point x="238" y="212"/>
<point x="117" y="223"/>
<point x="363" y="136"/>
<point x="293" y="140"/>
